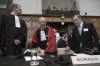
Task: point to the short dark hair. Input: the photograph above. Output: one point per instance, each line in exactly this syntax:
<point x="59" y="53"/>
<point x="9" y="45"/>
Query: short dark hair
<point x="61" y="34"/>
<point x="77" y="16"/>
<point x="14" y="6"/>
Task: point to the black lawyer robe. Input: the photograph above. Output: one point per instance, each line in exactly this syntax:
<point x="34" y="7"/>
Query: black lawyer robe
<point x="9" y="33"/>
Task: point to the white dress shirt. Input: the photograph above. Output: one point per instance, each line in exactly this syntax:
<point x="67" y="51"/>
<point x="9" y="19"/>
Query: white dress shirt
<point x="80" y="28"/>
<point x="42" y="34"/>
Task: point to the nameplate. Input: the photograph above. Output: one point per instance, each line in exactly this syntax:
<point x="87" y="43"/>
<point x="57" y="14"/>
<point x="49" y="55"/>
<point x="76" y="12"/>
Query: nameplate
<point x="87" y="59"/>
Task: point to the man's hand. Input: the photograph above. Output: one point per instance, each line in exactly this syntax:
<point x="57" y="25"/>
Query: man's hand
<point x="17" y="42"/>
<point x="38" y="50"/>
<point x="95" y="49"/>
<point x="27" y="50"/>
<point x="67" y="48"/>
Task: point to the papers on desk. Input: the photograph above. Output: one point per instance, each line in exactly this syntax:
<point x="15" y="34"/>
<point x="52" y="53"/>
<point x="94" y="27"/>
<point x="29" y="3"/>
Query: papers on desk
<point x="28" y="50"/>
<point x="36" y="58"/>
<point x="28" y="58"/>
<point x="63" y="51"/>
<point x="81" y="54"/>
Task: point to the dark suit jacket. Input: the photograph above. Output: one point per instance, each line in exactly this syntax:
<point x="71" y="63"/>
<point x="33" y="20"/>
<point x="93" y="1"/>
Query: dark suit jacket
<point x="89" y="37"/>
<point x="61" y="43"/>
<point x="9" y="33"/>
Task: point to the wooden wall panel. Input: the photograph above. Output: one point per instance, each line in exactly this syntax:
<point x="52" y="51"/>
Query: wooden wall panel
<point x="32" y="22"/>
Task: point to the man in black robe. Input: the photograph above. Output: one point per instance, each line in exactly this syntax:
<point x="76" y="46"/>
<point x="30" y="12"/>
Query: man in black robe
<point x="13" y="32"/>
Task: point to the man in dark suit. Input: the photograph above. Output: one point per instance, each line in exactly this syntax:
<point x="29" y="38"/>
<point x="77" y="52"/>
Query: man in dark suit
<point x="13" y="32"/>
<point x="84" y="36"/>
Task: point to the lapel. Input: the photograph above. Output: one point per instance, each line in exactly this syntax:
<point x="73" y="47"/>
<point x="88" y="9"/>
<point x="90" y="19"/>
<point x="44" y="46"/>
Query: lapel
<point x="77" y="32"/>
<point x="38" y="34"/>
<point x="21" y="22"/>
<point x="82" y="28"/>
<point x="12" y="20"/>
<point x="13" y="17"/>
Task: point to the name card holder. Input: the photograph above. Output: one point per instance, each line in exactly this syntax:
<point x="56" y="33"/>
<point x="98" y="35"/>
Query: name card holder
<point x="86" y="59"/>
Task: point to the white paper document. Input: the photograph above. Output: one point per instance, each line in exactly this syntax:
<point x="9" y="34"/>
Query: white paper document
<point x="28" y="58"/>
<point x="36" y="58"/>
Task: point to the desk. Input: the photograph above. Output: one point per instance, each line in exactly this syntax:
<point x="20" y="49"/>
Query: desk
<point x="5" y="61"/>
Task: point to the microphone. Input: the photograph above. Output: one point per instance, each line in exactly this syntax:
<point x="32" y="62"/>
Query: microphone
<point x="35" y="54"/>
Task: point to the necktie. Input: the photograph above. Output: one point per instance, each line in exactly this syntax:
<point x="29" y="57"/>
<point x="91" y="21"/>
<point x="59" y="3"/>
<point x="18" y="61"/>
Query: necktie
<point x="80" y="29"/>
